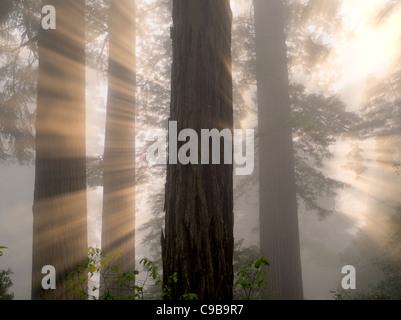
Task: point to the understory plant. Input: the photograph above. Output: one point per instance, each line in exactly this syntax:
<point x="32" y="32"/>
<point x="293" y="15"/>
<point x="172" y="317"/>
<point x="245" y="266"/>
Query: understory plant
<point x="252" y="277"/>
<point x="100" y="277"/>
<point x="100" y="273"/>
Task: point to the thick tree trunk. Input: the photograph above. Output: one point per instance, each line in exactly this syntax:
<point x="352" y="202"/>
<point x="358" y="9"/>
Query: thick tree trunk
<point x="59" y="209"/>
<point x="198" y="243"/>
<point x="279" y="234"/>
<point x="118" y="225"/>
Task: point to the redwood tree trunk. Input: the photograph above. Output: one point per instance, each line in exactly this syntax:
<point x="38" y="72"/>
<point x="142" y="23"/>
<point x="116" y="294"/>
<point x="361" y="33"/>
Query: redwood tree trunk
<point x="118" y="225"/>
<point x="59" y="209"/>
<point x="198" y="243"/>
<point x="279" y="234"/>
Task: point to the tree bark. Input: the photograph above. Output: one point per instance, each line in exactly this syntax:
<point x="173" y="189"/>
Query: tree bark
<point x="59" y="209"/>
<point x="279" y="234"/>
<point x="118" y="225"/>
<point x="198" y="242"/>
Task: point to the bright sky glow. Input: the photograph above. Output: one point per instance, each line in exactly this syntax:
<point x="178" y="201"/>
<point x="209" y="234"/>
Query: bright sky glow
<point x="371" y="49"/>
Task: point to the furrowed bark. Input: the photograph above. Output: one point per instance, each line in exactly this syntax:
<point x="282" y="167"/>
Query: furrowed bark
<point x="198" y="242"/>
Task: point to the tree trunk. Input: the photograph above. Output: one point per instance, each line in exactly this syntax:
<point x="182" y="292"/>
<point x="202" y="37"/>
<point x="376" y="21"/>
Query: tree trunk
<point x="118" y="225"/>
<point x="59" y="209"/>
<point x="198" y="243"/>
<point x="279" y="234"/>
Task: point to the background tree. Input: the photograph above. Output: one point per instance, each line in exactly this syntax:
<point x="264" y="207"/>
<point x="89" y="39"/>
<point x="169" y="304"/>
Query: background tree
<point x="319" y="118"/>
<point x="118" y="222"/>
<point x="279" y="240"/>
<point x="19" y="22"/>
<point x="317" y="121"/>
<point x="198" y="242"/>
<point x="59" y="209"/>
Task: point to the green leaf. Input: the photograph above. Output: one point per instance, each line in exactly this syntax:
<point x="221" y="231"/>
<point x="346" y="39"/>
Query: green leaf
<point x="1" y="253"/>
<point x="265" y="262"/>
<point x="115" y="269"/>
<point x="261" y="282"/>
<point x="92" y="268"/>
<point x="189" y="296"/>
<point x="246" y="284"/>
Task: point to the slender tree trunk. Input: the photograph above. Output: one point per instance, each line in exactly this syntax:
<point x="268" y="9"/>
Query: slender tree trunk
<point x="198" y="243"/>
<point x="279" y="234"/>
<point x="118" y="226"/>
<point x="59" y="209"/>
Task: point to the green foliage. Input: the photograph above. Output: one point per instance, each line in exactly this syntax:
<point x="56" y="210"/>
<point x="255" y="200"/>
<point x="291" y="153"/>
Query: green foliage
<point x="317" y="122"/>
<point x="98" y="262"/>
<point x="372" y="294"/>
<point x="5" y="284"/>
<point x="388" y="288"/>
<point x="5" y="281"/>
<point x="189" y="296"/>
<point x="252" y="276"/>
<point x="389" y="264"/>
<point x="18" y="71"/>
<point x="243" y="255"/>
<point x="152" y="269"/>
<point x="1" y="252"/>
<point x="106" y="266"/>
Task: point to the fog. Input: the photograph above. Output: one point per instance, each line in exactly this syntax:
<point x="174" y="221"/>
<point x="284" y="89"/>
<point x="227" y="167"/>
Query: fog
<point x="343" y="68"/>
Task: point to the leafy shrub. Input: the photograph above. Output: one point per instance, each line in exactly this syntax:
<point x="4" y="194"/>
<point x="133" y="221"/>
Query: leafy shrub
<point x="131" y="287"/>
<point x="252" y="277"/>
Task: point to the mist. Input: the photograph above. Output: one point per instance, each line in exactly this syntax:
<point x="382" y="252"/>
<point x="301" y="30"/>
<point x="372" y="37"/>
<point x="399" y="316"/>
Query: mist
<point x="86" y="105"/>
